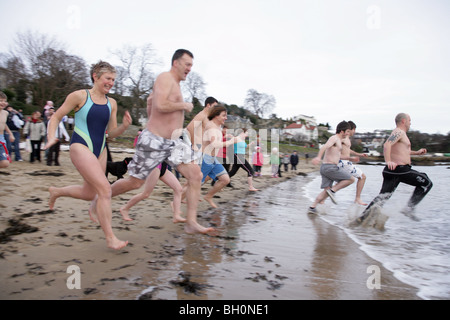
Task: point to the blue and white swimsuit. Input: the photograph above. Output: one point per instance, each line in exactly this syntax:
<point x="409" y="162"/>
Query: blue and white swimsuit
<point x="91" y="121"/>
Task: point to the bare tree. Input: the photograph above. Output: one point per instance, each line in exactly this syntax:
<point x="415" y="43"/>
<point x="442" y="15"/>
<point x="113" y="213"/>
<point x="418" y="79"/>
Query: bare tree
<point x="58" y="74"/>
<point x="194" y="86"/>
<point x="259" y="103"/>
<point x="49" y="72"/>
<point x="30" y="45"/>
<point x="137" y="63"/>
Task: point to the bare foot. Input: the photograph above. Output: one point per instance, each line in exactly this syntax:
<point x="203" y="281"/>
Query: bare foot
<point x="124" y="213"/>
<point x="177" y="218"/>
<point x="194" y="227"/>
<point x="93" y="211"/>
<point x="359" y="201"/>
<point x="253" y="189"/>
<point x="53" y="196"/>
<point x="209" y="200"/>
<point x="115" y="243"/>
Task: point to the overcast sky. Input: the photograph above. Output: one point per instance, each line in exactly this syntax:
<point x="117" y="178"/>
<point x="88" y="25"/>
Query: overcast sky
<point x="360" y="60"/>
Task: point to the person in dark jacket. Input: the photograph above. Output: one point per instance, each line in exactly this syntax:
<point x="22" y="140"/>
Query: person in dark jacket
<point x="15" y="123"/>
<point x="294" y="161"/>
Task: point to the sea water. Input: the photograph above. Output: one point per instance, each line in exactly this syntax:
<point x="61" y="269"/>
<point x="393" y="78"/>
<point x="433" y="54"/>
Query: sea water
<point x="259" y="252"/>
<point x="418" y="253"/>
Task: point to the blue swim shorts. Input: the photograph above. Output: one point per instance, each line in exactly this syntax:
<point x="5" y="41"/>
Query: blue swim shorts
<point x="211" y="167"/>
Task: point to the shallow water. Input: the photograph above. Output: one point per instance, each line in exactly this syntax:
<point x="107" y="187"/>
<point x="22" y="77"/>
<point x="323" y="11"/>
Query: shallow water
<point x="269" y="248"/>
<point x="417" y="252"/>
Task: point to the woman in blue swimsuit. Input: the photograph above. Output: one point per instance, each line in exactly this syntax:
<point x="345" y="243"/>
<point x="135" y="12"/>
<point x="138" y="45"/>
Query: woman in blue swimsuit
<point x="95" y="114"/>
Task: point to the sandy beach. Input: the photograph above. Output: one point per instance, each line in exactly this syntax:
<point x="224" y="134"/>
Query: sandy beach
<point x="37" y="246"/>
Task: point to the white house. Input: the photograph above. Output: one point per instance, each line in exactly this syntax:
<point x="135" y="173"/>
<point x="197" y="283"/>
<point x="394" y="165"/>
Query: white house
<point x="305" y="128"/>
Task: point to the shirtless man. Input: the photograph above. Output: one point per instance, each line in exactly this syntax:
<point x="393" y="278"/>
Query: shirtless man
<point x="160" y="140"/>
<point x="348" y="165"/>
<point x="196" y="127"/>
<point x="329" y="170"/>
<point x="212" y="143"/>
<point x="397" y="155"/>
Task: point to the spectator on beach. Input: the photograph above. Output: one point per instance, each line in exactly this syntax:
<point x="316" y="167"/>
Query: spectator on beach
<point x="70" y="121"/>
<point x="257" y="161"/>
<point x="294" y="161"/>
<point x="329" y="170"/>
<point x="46" y="111"/>
<point x="15" y="123"/>
<point x="397" y="155"/>
<point x="275" y="162"/>
<point x="5" y="160"/>
<point x="286" y="161"/>
<point x="35" y="130"/>
<point x="95" y="114"/>
<point x="53" y="151"/>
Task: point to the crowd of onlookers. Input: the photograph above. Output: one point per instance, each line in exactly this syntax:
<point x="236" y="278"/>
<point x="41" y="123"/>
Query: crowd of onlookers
<point x="33" y="131"/>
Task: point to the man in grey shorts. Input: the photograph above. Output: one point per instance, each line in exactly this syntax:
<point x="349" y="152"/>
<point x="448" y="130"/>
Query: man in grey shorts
<point x="329" y="169"/>
<point x="151" y="150"/>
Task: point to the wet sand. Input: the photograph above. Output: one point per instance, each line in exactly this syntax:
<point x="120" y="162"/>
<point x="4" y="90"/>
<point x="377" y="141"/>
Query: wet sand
<point x="37" y="246"/>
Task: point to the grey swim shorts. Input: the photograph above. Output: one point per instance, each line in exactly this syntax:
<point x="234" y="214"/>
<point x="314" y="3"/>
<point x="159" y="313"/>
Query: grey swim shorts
<point x="331" y="173"/>
<point x="151" y="150"/>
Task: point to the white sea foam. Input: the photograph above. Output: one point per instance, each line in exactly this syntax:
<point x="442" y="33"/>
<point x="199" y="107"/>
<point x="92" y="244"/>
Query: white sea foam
<point x="418" y="253"/>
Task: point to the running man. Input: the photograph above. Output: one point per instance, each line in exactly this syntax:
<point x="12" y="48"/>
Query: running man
<point x="397" y="155"/>
<point x="348" y="165"/>
<point x="329" y="169"/>
<point x="196" y="127"/>
<point x="160" y="141"/>
<point x="212" y="143"/>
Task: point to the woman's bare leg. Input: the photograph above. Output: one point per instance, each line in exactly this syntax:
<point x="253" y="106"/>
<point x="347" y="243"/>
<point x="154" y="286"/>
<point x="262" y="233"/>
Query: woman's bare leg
<point x="93" y="172"/>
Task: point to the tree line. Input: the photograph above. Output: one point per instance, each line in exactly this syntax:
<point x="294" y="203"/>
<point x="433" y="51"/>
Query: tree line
<point x="38" y="68"/>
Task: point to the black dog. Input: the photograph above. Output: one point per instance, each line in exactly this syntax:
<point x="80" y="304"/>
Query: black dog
<point x="118" y="168"/>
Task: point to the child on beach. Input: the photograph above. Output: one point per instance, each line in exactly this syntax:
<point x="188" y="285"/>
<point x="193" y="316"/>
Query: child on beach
<point x="5" y="160"/>
<point x="36" y="130"/>
<point x="257" y="161"/>
<point x="275" y="162"/>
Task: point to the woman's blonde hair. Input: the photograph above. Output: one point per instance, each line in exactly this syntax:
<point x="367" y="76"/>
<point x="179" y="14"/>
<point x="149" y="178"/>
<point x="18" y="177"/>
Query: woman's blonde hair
<point x="100" y="68"/>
